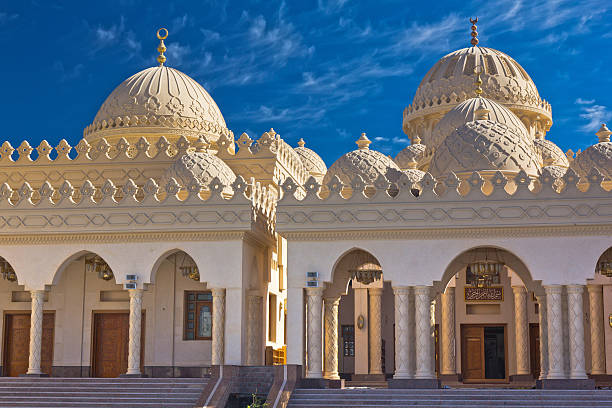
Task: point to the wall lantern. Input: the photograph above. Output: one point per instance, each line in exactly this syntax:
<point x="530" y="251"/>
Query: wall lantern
<point x="484" y="272"/>
<point x="7" y="271"/>
<point x="99" y="266"/>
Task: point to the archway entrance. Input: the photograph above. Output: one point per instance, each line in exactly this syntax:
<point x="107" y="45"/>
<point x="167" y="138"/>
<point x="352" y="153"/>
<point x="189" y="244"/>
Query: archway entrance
<point x="489" y="319"/>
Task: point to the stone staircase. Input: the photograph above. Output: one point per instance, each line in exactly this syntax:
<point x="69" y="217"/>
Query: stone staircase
<point x="473" y="398"/>
<point x="101" y="392"/>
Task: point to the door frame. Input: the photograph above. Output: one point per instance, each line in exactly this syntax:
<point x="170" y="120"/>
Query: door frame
<point x="5" y="337"/>
<point x="506" y="361"/>
<point x="93" y="336"/>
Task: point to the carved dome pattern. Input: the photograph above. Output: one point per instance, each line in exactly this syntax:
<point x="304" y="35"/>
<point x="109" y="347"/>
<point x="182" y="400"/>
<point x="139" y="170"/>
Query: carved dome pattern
<point x="555" y="172"/>
<point x="201" y="165"/>
<point x="369" y="164"/>
<point x="414" y="152"/>
<point x="465" y="112"/>
<point x="159" y="99"/>
<point x="313" y="163"/>
<point x="551" y="154"/>
<point x="485" y="145"/>
<point x="599" y="155"/>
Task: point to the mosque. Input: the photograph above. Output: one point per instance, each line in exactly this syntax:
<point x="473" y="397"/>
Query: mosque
<point x="163" y="245"/>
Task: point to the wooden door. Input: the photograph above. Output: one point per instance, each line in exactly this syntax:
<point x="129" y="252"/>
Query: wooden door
<point x="110" y="344"/>
<point x="472" y="353"/>
<point x="17" y="343"/>
<point x="534" y="349"/>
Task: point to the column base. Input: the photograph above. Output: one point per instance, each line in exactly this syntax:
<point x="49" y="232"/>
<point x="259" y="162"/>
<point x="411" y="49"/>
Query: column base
<point x="140" y="375"/>
<point x="602" y="380"/>
<point x="521" y="378"/>
<point x="34" y="375"/>
<point x="565" y="384"/>
<point x="368" y="377"/>
<point x="321" y="383"/>
<point x="450" y="377"/>
<point x="414" y="383"/>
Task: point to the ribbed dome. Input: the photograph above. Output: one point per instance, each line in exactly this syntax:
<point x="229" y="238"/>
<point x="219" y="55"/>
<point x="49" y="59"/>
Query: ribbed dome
<point x="451" y="81"/>
<point x="313" y="163"/>
<point x="466" y="112"/>
<point x="158" y="100"/>
<point x="551" y="154"/>
<point x="411" y="153"/>
<point x="201" y="165"/>
<point x="485" y="145"/>
<point x="369" y="164"/>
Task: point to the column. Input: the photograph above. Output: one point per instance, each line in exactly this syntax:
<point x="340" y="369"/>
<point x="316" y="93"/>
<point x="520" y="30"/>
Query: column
<point x="598" y="357"/>
<point x="575" y="320"/>
<point x="375" y="332"/>
<point x="134" y="331"/>
<point x="36" y="329"/>
<point x="449" y="365"/>
<point x="424" y="332"/>
<point x="555" y="332"/>
<point x="404" y="333"/>
<point x="254" y="330"/>
<point x="218" y="326"/>
<point x="314" y="300"/>
<point x="521" y="329"/>
<point x="331" y="338"/>
<point x="543" y="328"/>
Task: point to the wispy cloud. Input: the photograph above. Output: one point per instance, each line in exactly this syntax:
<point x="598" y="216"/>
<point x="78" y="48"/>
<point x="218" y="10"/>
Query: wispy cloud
<point x="593" y="114"/>
<point x="68" y="73"/>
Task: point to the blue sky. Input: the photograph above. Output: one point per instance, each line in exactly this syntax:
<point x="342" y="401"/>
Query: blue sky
<point x="323" y="70"/>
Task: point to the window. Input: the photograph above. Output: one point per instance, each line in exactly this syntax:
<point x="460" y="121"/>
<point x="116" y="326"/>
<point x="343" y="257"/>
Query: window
<point x="348" y="341"/>
<point x="198" y="316"/>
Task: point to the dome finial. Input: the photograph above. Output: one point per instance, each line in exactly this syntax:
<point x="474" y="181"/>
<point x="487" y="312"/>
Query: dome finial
<point x="474" y="33"/>
<point x="301" y="142"/>
<point x="162" y="34"/>
<point x="478" y="81"/>
<point x="603" y="133"/>
<point x="363" y="142"/>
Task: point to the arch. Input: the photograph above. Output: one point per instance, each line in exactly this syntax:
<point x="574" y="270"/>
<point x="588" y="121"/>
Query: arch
<point x="5" y="263"/>
<point x="605" y="256"/>
<point x="511" y="260"/>
<point x="59" y="271"/>
<point x="349" y="260"/>
<point x="155" y="267"/>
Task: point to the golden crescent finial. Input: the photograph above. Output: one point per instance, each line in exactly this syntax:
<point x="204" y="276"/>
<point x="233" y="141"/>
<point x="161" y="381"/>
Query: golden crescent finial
<point x="162" y="47"/>
<point x="474" y="34"/>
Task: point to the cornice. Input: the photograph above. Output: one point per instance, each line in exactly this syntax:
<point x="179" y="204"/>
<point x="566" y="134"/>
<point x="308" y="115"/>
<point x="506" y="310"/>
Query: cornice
<point x="107" y="238"/>
<point x="449" y="233"/>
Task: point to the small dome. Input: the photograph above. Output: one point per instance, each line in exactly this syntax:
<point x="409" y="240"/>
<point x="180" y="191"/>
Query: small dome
<point x="369" y="164"/>
<point x="414" y="152"/>
<point x="201" y="165"/>
<point x="159" y="100"/>
<point x="485" y="145"/>
<point x="599" y="155"/>
<point x="466" y="112"/>
<point x="552" y="155"/>
<point x="313" y="163"/>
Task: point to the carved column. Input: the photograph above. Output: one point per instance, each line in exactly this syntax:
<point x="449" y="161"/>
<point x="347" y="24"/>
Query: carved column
<point x="331" y="338"/>
<point x="135" y="331"/>
<point x="543" y="328"/>
<point x="449" y="365"/>
<point x="598" y="357"/>
<point x="375" y="333"/>
<point x="404" y="332"/>
<point x="556" y="364"/>
<point x="521" y="329"/>
<point x="36" y="331"/>
<point x="575" y="320"/>
<point x="424" y="332"/>
<point x="218" y="326"/>
<point x="254" y="330"/>
<point x="314" y="300"/>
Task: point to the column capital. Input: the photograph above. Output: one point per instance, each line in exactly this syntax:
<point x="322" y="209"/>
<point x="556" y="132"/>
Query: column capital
<point x="578" y="289"/>
<point x="37" y="294"/>
<point x="519" y="289"/>
<point x="450" y="290"/>
<point x="541" y="299"/>
<point x="595" y="287"/>
<point x="422" y="290"/>
<point x="375" y="291"/>
<point x="315" y="291"/>
<point x="553" y="289"/>
<point x="218" y="291"/>
<point x="401" y="290"/>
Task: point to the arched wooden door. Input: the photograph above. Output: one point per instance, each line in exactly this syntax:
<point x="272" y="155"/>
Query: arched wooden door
<point x="17" y="343"/>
